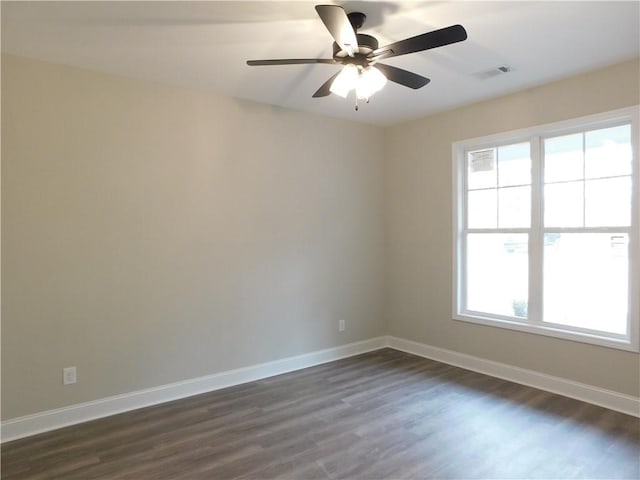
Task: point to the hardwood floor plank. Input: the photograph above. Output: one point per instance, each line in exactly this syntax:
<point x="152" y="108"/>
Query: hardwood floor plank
<point x="385" y="414"/>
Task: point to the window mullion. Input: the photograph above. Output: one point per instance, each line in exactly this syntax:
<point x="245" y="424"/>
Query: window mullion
<point x="633" y="324"/>
<point x="497" y="187"/>
<point x="584" y="181"/>
<point x="536" y="237"/>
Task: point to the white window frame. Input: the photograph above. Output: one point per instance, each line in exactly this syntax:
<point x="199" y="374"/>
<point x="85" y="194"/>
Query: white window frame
<point x="534" y="324"/>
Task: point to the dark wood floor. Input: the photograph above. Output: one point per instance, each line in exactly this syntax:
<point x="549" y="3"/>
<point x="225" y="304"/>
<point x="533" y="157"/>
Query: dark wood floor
<point x="385" y="414"/>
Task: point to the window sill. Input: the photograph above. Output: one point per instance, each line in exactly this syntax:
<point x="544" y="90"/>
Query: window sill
<point x="550" y="331"/>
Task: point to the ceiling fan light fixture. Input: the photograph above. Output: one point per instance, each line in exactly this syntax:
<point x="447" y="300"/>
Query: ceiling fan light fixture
<point x="345" y="81"/>
<point x="365" y="82"/>
<point x="359" y="51"/>
<point x="371" y="80"/>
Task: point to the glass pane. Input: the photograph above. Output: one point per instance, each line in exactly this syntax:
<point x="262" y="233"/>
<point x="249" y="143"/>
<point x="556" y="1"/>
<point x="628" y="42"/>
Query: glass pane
<point x="497" y="273"/>
<point x="586" y="280"/>
<point x="514" y="165"/>
<point x="608" y="202"/>
<point x="608" y="152"/>
<point x="481" y="169"/>
<point x="514" y="204"/>
<point x="563" y="204"/>
<point x="482" y="209"/>
<point x="563" y="158"/>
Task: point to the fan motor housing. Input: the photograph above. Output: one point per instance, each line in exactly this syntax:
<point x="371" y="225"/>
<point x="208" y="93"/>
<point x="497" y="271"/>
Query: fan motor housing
<point x="366" y="44"/>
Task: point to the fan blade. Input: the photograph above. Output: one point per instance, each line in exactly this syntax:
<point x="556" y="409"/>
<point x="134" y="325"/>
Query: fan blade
<point x="403" y="77"/>
<point x="339" y="26"/>
<point x="325" y="89"/>
<point x="290" y="61"/>
<point x="426" y="41"/>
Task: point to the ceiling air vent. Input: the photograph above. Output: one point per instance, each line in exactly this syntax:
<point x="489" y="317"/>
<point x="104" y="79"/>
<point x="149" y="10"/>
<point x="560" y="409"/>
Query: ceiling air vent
<point x="493" y="72"/>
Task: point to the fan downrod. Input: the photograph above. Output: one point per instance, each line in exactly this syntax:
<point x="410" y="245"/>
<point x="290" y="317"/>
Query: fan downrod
<point x="356" y="19"/>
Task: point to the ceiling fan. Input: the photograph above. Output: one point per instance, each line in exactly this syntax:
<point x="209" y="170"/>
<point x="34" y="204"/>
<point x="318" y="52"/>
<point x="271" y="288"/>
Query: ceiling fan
<point x="359" y="54"/>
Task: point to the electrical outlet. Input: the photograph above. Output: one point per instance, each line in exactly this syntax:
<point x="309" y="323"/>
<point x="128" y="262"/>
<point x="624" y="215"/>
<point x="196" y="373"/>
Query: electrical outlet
<point x="69" y="375"/>
<point x="341" y="325"/>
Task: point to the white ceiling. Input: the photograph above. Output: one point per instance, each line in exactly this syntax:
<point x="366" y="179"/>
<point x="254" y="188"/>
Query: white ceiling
<point x="204" y="45"/>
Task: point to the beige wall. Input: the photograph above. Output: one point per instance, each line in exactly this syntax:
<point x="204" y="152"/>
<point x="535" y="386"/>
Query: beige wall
<point x="152" y="234"/>
<point x="419" y="228"/>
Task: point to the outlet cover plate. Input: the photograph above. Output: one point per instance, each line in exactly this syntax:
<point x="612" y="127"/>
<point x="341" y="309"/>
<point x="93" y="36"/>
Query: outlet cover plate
<point x="69" y="375"/>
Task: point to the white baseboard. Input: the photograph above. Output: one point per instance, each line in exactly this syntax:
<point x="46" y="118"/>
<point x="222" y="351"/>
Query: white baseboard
<point x="20" y="427"/>
<point x="568" y="388"/>
<point x="61" y="417"/>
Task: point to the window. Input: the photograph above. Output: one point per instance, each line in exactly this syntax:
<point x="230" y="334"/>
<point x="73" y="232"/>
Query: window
<point x="547" y="230"/>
